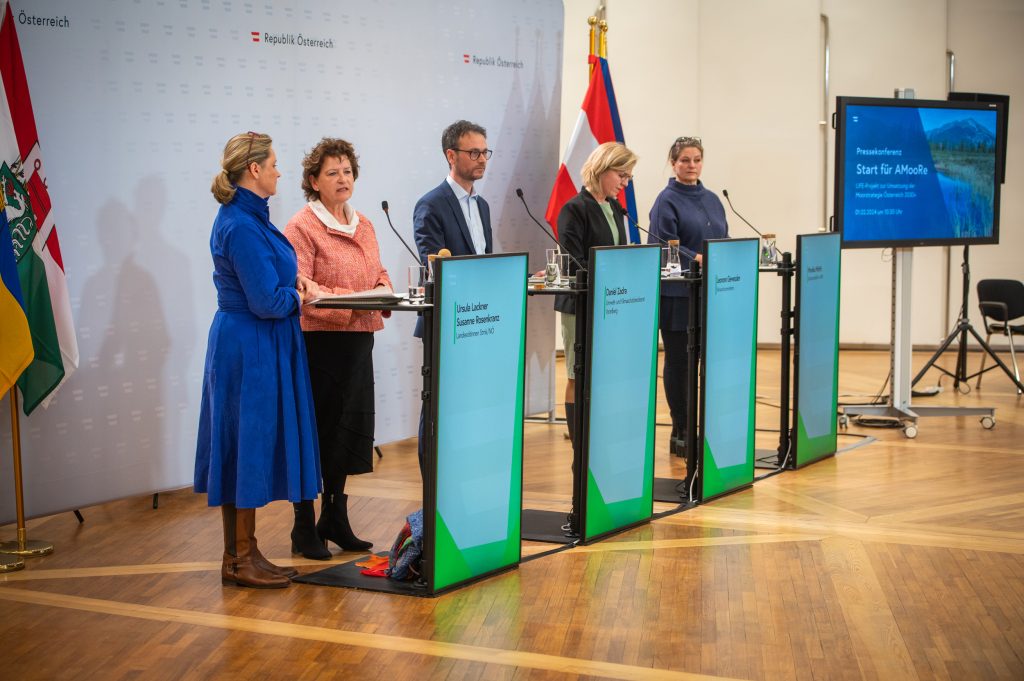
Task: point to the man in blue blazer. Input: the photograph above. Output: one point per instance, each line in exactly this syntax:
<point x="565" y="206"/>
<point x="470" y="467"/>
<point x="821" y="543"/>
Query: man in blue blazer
<point x="452" y="215"/>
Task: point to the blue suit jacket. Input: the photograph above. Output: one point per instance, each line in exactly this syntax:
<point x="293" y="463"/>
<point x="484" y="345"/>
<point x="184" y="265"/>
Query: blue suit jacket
<point x="438" y="223"/>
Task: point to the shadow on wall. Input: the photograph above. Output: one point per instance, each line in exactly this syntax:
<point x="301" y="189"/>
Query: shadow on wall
<point x="137" y="336"/>
<point x="515" y="232"/>
<point x="181" y="377"/>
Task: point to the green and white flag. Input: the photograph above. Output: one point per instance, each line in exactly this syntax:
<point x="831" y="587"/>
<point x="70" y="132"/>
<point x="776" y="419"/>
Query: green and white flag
<point x="33" y="231"/>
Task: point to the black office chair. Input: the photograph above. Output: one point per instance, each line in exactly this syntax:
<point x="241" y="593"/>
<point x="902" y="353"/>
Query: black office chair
<point x="1001" y="301"/>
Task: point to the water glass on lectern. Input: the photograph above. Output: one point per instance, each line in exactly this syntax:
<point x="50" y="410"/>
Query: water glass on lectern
<point x="417" y="283"/>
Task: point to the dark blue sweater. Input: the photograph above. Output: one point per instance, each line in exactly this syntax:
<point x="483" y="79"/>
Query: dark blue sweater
<point x="691" y="214"/>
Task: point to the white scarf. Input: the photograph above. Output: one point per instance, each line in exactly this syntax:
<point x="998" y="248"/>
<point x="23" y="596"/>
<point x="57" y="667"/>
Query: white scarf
<point x="326" y="217"/>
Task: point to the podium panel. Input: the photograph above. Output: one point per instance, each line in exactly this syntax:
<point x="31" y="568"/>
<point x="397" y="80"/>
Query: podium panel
<point x="474" y="491"/>
<point x="817" y="346"/>
<point x="621" y="388"/>
<point x="729" y="367"/>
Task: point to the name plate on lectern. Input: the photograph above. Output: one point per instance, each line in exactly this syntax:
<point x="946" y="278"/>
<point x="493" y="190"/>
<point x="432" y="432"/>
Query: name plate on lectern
<point x="473" y="509"/>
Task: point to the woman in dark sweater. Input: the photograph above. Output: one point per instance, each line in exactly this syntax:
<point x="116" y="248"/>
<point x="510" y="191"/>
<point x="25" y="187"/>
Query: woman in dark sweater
<point x="687" y="211"/>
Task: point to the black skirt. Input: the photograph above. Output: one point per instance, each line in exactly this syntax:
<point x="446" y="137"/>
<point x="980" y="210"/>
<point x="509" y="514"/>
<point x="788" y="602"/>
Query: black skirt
<point x="341" y="374"/>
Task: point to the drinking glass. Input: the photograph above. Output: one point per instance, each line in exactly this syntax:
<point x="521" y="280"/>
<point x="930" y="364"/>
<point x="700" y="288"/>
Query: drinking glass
<point x="417" y="282"/>
<point x="552" y="267"/>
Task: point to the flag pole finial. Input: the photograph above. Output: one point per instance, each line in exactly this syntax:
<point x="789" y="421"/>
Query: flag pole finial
<point x="592" y="22"/>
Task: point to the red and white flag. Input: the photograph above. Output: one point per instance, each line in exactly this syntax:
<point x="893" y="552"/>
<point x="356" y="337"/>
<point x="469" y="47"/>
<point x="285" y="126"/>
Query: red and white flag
<point x="598" y="123"/>
<point x="33" y="230"/>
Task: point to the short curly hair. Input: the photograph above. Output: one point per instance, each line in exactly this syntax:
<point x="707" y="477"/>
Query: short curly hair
<point x="328" y="147"/>
<point x="454" y="132"/>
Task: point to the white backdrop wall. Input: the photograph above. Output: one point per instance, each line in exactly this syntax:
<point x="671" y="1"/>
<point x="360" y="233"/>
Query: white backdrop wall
<point x="985" y="36"/>
<point x="134" y="102"/>
<point x="746" y="76"/>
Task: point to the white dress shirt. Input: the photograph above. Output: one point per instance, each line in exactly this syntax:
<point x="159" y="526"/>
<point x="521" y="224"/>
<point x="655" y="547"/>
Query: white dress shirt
<point x="470" y="211"/>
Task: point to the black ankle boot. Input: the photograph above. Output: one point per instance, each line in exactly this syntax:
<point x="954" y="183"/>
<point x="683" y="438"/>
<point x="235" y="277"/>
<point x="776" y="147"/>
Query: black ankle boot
<point x="304" y="537"/>
<point x="570" y="420"/>
<point x="334" y="526"/>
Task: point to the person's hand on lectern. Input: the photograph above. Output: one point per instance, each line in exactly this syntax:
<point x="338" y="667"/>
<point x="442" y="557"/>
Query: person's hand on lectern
<point x="307" y="288"/>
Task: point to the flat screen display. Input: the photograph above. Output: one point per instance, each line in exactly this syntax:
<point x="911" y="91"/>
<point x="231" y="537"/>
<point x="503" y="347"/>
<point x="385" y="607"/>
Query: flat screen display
<point x="817" y="346"/>
<point x="729" y="370"/>
<point x="917" y="172"/>
<point x="480" y="340"/>
<point x="622" y="373"/>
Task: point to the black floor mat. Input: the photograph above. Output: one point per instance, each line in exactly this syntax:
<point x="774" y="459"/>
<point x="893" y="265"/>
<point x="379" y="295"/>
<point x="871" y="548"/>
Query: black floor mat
<point x="348" y="575"/>
<point x="545" y="526"/>
<point x="669" y="490"/>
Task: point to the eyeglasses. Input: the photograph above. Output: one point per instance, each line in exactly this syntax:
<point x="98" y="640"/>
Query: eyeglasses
<point x="252" y="136"/>
<point x="475" y="154"/>
<point x="624" y="176"/>
<point x="689" y="141"/>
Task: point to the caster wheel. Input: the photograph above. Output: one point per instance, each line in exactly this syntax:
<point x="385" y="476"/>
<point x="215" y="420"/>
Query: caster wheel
<point x="988" y="422"/>
<point x="844" y="421"/>
<point x="963" y="388"/>
<point x="910" y="431"/>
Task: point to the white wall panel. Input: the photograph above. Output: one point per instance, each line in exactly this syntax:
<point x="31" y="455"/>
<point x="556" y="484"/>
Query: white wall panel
<point x="134" y="102"/>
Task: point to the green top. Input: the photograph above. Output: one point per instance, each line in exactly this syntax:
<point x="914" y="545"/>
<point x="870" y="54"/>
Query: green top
<point x="606" y="208"/>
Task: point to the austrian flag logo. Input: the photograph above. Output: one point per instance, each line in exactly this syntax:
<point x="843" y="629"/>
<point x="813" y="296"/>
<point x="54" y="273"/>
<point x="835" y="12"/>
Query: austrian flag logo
<point x="500" y="62"/>
<point x="291" y="39"/>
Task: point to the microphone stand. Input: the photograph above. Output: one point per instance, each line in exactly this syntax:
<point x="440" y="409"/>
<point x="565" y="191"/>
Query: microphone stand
<point x="519" y="193"/>
<point x="387" y="214"/>
<point x="725" y="193"/>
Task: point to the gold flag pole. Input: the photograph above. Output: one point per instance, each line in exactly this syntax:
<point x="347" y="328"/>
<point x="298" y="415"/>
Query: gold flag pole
<point x="592" y="21"/>
<point x="23" y="546"/>
<point x="604" y="39"/>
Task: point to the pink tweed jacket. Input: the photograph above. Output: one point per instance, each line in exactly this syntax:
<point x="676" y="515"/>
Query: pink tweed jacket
<point x="339" y="264"/>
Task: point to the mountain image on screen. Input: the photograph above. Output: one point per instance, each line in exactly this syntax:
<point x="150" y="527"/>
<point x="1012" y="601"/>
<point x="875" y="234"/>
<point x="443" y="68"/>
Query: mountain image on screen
<point x="967" y="133"/>
<point x="963" y="151"/>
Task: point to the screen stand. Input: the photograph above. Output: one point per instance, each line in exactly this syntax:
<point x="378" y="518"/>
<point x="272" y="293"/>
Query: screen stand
<point x="961" y="380"/>
<point x="899" y="406"/>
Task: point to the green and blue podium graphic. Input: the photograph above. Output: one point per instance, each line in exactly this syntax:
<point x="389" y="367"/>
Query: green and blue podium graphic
<point x="618" y="463"/>
<point x="472" y="510"/>
<point x="729" y="366"/>
<point x="817" y="346"/>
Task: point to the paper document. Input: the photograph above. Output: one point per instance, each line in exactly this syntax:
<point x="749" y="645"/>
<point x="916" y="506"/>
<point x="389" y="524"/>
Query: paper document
<point x="371" y="296"/>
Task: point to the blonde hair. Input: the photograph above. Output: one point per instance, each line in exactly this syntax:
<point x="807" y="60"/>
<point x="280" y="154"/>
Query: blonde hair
<point x="608" y="156"/>
<point x="239" y="152"/>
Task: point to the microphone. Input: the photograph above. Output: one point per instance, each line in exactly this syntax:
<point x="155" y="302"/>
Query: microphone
<point x="637" y="225"/>
<point x="658" y="238"/>
<point x="442" y="253"/>
<point x="519" y="193"/>
<point x="384" y="205"/>
<point x="725" y="193"/>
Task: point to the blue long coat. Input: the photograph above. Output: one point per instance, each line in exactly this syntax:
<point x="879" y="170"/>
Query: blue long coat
<point x="257" y="431"/>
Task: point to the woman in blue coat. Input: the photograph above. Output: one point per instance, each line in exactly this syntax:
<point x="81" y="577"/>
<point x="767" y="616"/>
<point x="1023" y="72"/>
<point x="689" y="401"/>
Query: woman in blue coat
<point x="257" y="432"/>
<point x="687" y="211"/>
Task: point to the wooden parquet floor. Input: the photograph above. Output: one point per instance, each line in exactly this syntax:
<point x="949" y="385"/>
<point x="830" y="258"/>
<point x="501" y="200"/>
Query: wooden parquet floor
<point x="896" y="559"/>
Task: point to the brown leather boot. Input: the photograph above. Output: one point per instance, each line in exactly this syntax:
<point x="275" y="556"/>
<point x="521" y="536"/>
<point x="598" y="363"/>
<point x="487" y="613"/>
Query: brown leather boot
<point x="227" y="514"/>
<point x="240" y="566"/>
<point x="262" y="561"/>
